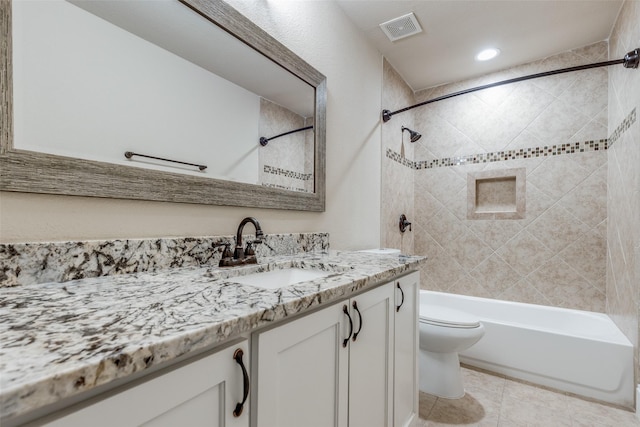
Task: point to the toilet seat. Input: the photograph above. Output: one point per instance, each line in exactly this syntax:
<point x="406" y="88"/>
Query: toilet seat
<point x="447" y="317"/>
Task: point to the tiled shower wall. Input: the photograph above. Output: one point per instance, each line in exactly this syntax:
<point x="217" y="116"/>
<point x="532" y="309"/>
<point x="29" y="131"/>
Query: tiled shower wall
<point x="397" y="184"/>
<point x="623" y="260"/>
<point x="555" y="128"/>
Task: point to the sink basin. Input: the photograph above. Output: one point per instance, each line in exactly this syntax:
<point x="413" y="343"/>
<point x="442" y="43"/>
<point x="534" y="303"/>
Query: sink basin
<point x="275" y="279"/>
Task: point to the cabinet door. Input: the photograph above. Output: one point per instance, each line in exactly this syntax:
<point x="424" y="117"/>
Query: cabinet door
<point x="371" y="359"/>
<point x="200" y="393"/>
<point x="302" y="372"/>
<point x="406" y="350"/>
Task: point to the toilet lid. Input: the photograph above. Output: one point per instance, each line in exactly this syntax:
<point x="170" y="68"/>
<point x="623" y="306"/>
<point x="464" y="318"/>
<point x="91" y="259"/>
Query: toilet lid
<point x="448" y="317"/>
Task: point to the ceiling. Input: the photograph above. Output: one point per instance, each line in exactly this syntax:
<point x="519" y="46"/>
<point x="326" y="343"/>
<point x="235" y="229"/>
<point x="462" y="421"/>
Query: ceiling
<point x="454" y="31"/>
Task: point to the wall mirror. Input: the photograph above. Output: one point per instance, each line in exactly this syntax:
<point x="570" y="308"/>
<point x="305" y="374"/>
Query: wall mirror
<point x="99" y="96"/>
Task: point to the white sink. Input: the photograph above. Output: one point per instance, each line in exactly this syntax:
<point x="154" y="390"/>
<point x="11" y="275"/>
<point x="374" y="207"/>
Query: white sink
<point x="275" y="279"/>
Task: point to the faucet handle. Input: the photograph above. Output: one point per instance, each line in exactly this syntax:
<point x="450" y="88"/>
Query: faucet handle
<point x="224" y="247"/>
<point x="248" y="250"/>
<point x="404" y="223"/>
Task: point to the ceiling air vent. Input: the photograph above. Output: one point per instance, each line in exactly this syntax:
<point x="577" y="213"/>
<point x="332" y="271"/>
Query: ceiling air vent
<point x="399" y="28"/>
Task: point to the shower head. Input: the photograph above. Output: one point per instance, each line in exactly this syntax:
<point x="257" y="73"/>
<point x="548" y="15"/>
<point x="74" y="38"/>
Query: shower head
<point x="414" y="136"/>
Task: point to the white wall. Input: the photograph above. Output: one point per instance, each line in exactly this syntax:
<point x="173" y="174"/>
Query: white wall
<point x="321" y="34"/>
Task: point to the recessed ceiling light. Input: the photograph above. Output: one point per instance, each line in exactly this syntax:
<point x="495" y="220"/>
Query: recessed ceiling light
<point x="487" y="54"/>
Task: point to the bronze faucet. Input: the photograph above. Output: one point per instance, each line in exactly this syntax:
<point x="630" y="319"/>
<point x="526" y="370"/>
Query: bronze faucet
<point x="242" y="255"/>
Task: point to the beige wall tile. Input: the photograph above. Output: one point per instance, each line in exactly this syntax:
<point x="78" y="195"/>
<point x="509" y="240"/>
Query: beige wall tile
<point x="565" y="194"/>
<point x="585" y="255"/>
<point x="524" y="253"/>
<point x="524" y="291"/>
<point x="623" y="199"/>
<point x="468" y="250"/>
<point x="495" y="233"/>
<point x="495" y="275"/>
<point x="557" y="228"/>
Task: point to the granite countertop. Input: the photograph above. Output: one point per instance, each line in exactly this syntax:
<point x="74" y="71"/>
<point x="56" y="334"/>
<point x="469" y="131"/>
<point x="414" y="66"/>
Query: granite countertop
<point x="61" y="339"/>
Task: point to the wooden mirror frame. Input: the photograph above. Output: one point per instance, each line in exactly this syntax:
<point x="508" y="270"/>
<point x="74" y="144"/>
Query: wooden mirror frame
<point x="33" y="172"/>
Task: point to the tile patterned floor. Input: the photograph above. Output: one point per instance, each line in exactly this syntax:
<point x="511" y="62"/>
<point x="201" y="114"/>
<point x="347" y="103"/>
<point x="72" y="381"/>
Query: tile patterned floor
<point x="494" y="401"/>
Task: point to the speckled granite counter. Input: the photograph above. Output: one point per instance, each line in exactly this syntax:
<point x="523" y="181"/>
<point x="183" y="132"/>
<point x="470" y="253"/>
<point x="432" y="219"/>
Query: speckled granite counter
<point x="61" y="339"/>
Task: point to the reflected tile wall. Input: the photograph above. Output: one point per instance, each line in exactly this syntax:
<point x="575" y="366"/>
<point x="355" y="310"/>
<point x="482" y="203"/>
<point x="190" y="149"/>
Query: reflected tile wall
<point x="556" y="254"/>
<point x="623" y="231"/>
<point x="286" y="162"/>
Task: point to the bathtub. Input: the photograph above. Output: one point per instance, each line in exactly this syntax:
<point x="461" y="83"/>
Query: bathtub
<point x="580" y="352"/>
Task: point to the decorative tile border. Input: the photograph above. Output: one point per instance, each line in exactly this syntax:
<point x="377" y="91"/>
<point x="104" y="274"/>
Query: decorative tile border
<point x="284" y="187"/>
<point x="30" y="263"/>
<point x="288" y="173"/>
<point x="522" y="153"/>
<point x="500" y="156"/>
<point x="397" y="157"/>
<point x="626" y="124"/>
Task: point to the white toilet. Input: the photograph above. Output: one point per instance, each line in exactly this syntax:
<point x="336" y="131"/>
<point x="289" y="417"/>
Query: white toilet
<point x="443" y="333"/>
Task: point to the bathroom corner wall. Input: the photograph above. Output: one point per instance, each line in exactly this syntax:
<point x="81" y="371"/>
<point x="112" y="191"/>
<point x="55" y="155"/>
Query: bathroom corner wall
<point x="556" y="129"/>
<point x="397" y="196"/>
<point x="623" y="231"/>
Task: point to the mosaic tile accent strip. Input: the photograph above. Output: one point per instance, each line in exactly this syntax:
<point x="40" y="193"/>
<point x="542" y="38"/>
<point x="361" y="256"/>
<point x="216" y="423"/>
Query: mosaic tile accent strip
<point x="397" y="157"/>
<point x="288" y="173"/>
<point x="522" y="153"/>
<point x="626" y="124"/>
<point x="30" y="263"/>
<point x="498" y="156"/>
<point x="284" y="187"/>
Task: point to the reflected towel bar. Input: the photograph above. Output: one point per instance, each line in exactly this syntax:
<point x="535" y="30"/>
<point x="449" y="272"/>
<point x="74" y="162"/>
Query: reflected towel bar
<point x="130" y="154"/>
<point x="264" y="141"/>
<point x="630" y="60"/>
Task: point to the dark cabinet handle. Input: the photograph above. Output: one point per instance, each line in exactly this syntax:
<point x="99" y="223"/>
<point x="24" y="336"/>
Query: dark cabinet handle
<point x="237" y="355"/>
<point x="346" y="340"/>
<point x="402" y="300"/>
<point x="355" y="306"/>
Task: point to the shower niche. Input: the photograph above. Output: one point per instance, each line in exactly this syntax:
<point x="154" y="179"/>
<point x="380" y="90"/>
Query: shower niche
<point x="496" y="194"/>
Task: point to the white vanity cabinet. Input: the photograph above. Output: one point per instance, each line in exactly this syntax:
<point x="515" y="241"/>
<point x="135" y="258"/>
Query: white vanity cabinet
<point x="324" y="369"/>
<point x="203" y="392"/>
<point x="351" y="364"/>
<point x="406" y="345"/>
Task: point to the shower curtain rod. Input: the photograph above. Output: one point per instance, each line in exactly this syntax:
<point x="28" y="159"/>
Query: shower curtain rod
<point x="630" y="60"/>
<point x="264" y="141"/>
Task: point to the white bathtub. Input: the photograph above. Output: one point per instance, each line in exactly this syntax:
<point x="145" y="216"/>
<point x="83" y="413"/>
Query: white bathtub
<point x="576" y="351"/>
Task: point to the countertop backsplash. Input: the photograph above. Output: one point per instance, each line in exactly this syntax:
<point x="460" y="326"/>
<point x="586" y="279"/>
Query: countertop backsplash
<point x="31" y="263"/>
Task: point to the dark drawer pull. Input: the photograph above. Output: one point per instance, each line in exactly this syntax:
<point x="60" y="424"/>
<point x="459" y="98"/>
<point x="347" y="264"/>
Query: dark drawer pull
<point x="345" y="310"/>
<point x="355" y="306"/>
<point x="402" y="300"/>
<point x="245" y="376"/>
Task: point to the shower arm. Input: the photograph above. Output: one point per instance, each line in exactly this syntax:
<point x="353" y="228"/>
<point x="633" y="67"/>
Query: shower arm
<point x="264" y="141"/>
<point x="630" y="60"/>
